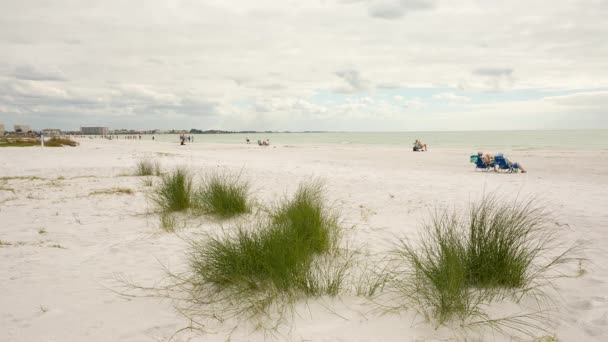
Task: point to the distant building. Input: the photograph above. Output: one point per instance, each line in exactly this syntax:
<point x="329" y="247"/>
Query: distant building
<point x="23" y="128"/>
<point x="94" y="130"/>
<point x="51" y="132"/>
<point x="1" y="128"/>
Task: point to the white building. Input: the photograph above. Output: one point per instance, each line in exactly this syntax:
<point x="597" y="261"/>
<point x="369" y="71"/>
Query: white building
<point x="23" y="128"/>
<point x="51" y="132"/>
<point x="94" y="130"/>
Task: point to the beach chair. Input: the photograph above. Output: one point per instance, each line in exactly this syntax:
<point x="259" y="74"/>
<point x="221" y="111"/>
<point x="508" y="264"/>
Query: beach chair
<point x="479" y="164"/>
<point x="504" y="164"/>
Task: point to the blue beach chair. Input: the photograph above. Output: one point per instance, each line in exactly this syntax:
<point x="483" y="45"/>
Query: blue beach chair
<point x="504" y="164"/>
<point x="479" y="164"/>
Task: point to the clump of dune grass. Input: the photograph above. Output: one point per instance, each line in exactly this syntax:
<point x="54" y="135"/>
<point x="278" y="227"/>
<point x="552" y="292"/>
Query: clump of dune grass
<point x="174" y="193"/>
<point x="280" y="257"/>
<point x="113" y="191"/>
<point x="58" y="142"/>
<point x="168" y="222"/>
<point x="224" y="196"/>
<point x="503" y="242"/>
<point x="148" y="182"/>
<point x="499" y="251"/>
<point x="147" y="168"/>
<point x="434" y="276"/>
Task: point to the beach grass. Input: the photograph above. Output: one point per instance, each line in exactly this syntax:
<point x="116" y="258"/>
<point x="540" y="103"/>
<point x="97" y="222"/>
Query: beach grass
<point x="25" y="141"/>
<point x="19" y="143"/>
<point x="113" y="191"/>
<point x="503" y="243"/>
<point x="7" y="178"/>
<point x="435" y="275"/>
<point x="284" y="256"/>
<point x="148" y="182"/>
<point x="5" y="188"/>
<point x="59" y="142"/>
<point x="147" y="168"/>
<point x="168" y="222"/>
<point x="224" y="196"/>
<point x="499" y="250"/>
<point x="175" y="192"/>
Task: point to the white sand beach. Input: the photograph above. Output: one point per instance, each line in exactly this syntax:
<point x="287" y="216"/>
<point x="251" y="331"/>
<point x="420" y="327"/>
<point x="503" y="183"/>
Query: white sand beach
<point x="63" y="248"/>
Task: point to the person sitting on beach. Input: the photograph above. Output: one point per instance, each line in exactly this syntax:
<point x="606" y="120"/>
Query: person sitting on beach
<point x="486" y="158"/>
<point x="515" y="166"/>
<point x="419" y="146"/>
<point x="247" y="139"/>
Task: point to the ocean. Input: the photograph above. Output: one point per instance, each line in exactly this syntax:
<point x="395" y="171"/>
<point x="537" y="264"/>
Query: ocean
<point x="476" y="140"/>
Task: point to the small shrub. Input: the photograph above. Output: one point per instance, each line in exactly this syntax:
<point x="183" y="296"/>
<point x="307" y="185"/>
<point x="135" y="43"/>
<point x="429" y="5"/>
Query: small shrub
<point x="147" y="168"/>
<point x="223" y="196"/>
<point x="307" y="219"/>
<point x="174" y="192"/>
<point x="58" y="142"/>
<point x="436" y="279"/>
<point x="504" y="241"/>
<point x="280" y="255"/>
<point x="461" y="265"/>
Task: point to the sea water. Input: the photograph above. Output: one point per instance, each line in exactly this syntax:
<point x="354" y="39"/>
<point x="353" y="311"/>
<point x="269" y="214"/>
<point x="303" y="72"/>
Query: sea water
<point x="506" y="140"/>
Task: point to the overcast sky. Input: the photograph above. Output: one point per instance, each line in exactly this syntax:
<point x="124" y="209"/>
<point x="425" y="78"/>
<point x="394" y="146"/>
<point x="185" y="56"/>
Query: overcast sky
<point x="346" y="65"/>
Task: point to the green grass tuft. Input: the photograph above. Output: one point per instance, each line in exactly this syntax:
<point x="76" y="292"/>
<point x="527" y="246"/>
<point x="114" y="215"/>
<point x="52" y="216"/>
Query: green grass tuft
<point x="503" y="243"/>
<point x="461" y="265"/>
<point x="168" y="222"/>
<point x="174" y="193"/>
<point x="280" y="256"/>
<point x="113" y="191"/>
<point x="436" y="279"/>
<point x="59" y="142"/>
<point x="147" y="168"/>
<point x="148" y="182"/>
<point x="223" y="196"/>
<point x="307" y="219"/>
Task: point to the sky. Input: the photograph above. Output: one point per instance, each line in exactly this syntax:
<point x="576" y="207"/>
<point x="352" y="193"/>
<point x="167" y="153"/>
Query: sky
<point x="335" y="65"/>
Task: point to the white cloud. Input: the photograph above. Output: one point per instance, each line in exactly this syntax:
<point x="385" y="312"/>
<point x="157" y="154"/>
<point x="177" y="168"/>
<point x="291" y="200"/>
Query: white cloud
<point x="453" y="98"/>
<point x="354" y="82"/>
<point x="394" y="9"/>
<point x="595" y="99"/>
<point x="208" y="63"/>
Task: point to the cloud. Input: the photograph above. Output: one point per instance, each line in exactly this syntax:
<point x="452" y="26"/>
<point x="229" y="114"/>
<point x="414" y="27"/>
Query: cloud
<point x="492" y="78"/>
<point x="149" y="66"/>
<point x="591" y="100"/>
<point x="30" y="73"/>
<point x="354" y="81"/>
<point x="452" y="98"/>
<point x="36" y="97"/>
<point x="394" y="9"/>
<point x="493" y="72"/>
